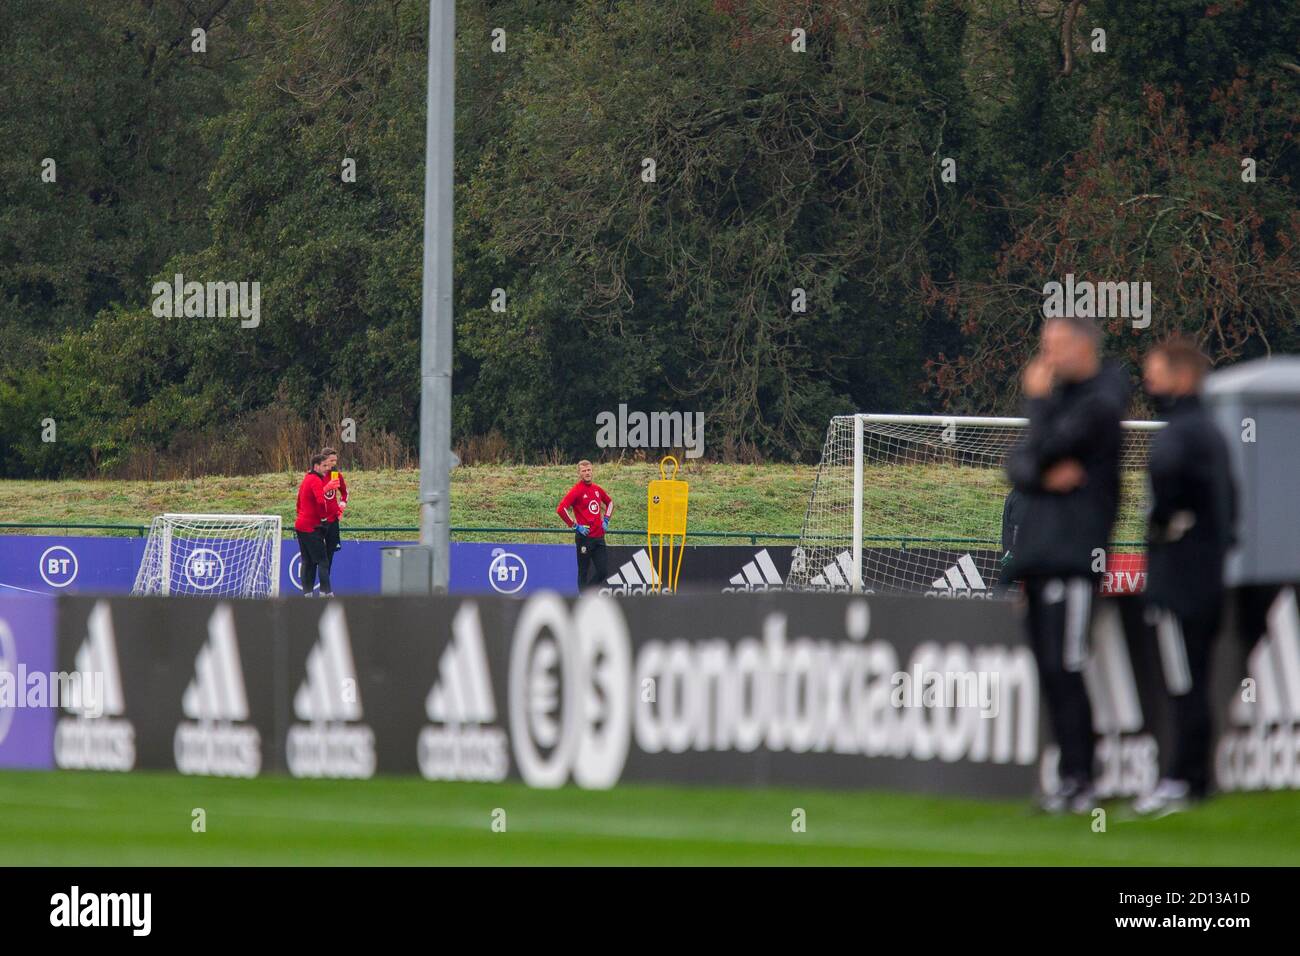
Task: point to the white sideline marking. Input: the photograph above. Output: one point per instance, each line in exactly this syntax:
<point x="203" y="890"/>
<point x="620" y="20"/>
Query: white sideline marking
<point x="17" y="588"/>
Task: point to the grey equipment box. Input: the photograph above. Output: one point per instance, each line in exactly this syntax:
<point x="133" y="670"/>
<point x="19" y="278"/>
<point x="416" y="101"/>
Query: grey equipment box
<point x="407" y="569"/>
<point x="1257" y="407"/>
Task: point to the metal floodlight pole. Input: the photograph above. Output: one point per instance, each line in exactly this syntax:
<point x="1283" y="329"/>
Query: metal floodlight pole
<point x="435" y="326"/>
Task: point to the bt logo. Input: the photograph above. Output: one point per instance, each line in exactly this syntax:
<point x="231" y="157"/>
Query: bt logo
<point x="507" y="573"/>
<point x="204" y="569"/>
<point x="58" y="566"/>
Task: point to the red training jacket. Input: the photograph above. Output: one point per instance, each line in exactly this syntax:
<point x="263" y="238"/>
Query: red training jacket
<point x="586" y="500"/>
<point x="336" y="501"/>
<point x="312" y="505"/>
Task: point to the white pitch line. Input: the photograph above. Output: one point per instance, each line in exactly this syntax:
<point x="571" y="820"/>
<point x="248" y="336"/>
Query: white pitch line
<point x="28" y="590"/>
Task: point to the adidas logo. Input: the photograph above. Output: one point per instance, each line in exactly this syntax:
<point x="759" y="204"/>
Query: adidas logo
<point x="635" y="577"/>
<point x="97" y="737"/>
<point x="1260" y="747"/>
<point x="837" y="574"/>
<point x="1127" y="759"/>
<point x="757" y="575"/>
<point x="463" y="693"/>
<point x="962" y="580"/>
<point x="461" y="702"/>
<point x="210" y="742"/>
<point x="329" y="744"/>
<point x="329" y="691"/>
<point x="217" y="690"/>
<point x="98" y="655"/>
<point x="1109" y="678"/>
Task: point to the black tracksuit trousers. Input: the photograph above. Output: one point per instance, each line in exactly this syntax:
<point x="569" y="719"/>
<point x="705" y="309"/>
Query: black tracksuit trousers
<point x="1058" y="619"/>
<point x="315" y="557"/>
<point x="1186" y="643"/>
<point x="591" y="555"/>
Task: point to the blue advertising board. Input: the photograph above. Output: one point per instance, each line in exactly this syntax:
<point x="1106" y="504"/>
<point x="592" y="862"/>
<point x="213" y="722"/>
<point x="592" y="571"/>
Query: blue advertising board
<point x="27" y="704"/>
<point x="32" y="564"/>
<point x="88" y="565"/>
<point x="476" y="568"/>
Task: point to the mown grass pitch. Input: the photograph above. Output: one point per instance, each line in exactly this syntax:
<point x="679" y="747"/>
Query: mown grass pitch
<point x="900" y="502"/>
<point x="96" y="819"/>
<point x="767" y="499"/>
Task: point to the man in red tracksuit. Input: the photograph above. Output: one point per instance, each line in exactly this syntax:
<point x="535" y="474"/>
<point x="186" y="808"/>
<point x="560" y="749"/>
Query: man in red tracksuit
<point x="313" y="508"/>
<point x="337" y="501"/>
<point x="587" y="509"/>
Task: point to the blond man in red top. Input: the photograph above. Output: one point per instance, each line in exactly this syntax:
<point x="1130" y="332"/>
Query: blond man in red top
<point x="587" y="509"/>
<point x="336" y="500"/>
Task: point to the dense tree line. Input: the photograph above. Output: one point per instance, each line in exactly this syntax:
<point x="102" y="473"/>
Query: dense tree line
<point x="911" y="172"/>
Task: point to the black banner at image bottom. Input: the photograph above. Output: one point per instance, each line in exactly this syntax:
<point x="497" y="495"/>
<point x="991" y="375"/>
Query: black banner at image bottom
<point x="915" y="907"/>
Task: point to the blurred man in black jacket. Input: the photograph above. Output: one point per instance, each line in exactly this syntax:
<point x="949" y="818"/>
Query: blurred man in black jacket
<point x="1189" y="532"/>
<point x="1013" y="516"/>
<point x="1067" y="469"/>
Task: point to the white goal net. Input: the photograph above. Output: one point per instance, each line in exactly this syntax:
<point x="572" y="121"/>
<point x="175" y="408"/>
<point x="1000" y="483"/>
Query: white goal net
<point x="217" y="555"/>
<point x="914" y="503"/>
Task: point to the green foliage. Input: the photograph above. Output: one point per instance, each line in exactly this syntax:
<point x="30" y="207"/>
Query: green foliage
<point x="774" y="171"/>
<point x="113" y="94"/>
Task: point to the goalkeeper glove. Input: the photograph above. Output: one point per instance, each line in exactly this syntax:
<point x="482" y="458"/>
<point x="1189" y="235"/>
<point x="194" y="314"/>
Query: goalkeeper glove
<point x="582" y="529"/>
<point x="604" y="523"/>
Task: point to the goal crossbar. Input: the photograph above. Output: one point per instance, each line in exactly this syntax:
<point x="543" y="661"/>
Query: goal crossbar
<point x="188" y="516"/>
<point x="984" y="421"/>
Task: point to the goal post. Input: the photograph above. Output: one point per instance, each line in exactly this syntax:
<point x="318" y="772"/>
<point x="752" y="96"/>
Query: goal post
<point x="211" y="554"/>
<point x="914" y="503"/>
<point x="856" y="570"/>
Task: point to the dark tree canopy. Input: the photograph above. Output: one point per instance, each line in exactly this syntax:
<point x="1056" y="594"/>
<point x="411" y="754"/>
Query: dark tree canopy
<point x="799" y="152"/>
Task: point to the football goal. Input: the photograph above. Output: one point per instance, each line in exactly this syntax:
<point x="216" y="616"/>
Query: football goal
<point x="217" y="555"/>
<point x="913" y="503"/>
